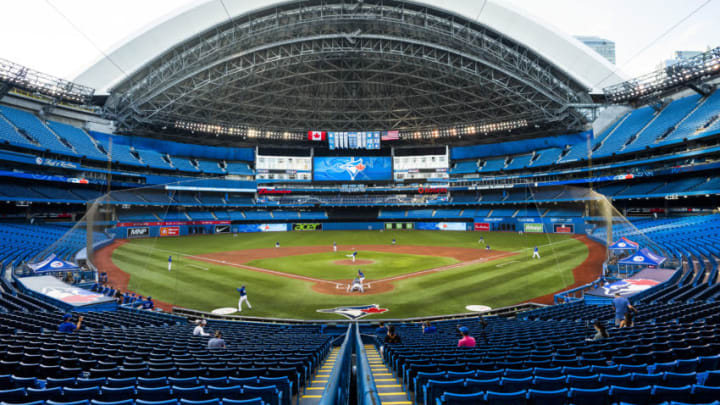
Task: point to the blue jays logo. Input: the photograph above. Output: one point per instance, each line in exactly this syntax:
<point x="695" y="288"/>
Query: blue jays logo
<point x="353" y="167"/>
<point x="626" y="287"/>
<point x="356" y="312"/>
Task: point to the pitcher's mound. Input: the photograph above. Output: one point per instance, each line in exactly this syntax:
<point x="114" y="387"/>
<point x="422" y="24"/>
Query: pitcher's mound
<point x="349" y="262"/>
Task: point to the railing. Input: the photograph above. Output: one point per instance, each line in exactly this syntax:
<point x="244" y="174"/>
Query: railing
<point x="510" y="311"/>
<point x="366" y="389"/>
<point x="337" y="389"/>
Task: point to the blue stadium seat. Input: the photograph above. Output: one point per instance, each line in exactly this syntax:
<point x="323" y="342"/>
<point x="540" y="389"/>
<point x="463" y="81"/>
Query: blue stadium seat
<point x="152" y="382"/>
<point x="661" y="393"/>
<point x="555" y="397"/>
<point x="65" y="402"/>
<point x="589" y="396"/>
<point x="633" y="395"/>
<point x="125" y="402"/>
<point x="183" y="381"/>
<point x="121" y="382"/>
<point x="679" y="379"/>
<point x="113" y="394"/>
<point x="44" y="394"/>
<point x="165" y="402"/>
<point x="506" y="398"/>
<point x="192" y="393"/>
<point x="269" y="394"/>
<point x="13" y="395"/>
<point x="702" y="394"/>
<point x="78" y="394"/>
<point x="250" y="401"/>
<point x="463" y="399"/>
<point x="153" y="393"/>
<point x="433" y="389"/>
<point x="214" y="401"/>
<point x="232" y="392"/>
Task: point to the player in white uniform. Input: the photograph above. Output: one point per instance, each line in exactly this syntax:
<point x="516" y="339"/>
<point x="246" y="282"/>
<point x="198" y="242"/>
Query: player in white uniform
<point x="356" y="285"/>
<point x="334" y="246"/>
<point x="536" y="253"/>
<point x="353" y="256"/>
<point x="361" y="276"/>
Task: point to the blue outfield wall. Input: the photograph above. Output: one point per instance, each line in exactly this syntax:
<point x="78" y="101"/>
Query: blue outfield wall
<point x="353" y="226"/>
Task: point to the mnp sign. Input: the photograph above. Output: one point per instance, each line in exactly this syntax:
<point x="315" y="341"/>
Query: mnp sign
<point x="537" y="228"/>
<point x="141" y="232"/>
<point x="307" y="227"/>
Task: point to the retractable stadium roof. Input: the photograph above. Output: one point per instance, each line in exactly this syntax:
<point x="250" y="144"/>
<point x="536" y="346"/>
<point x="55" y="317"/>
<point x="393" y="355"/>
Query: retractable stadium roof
<point x="349" y="65"/>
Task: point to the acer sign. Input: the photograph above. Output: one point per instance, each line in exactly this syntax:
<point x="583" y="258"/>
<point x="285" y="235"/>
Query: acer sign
<point x="307" y="227"/>
<point x="273" y="191"/>
<point x="563" y="228"/>
<point x="482" y="226"/>
<point x="432" y="190"/>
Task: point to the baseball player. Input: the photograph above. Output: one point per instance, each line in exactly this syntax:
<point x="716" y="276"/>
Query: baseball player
<point x="356" y="285"/>
<point x="353" y="256"/>
<point x="334" y="246"/>
<point x="361" y="276"/>
<point x="536" y="253"/>
<point x="277" y="244"/>
<point x="243" y="298"/>
<point x="169" y="263"/>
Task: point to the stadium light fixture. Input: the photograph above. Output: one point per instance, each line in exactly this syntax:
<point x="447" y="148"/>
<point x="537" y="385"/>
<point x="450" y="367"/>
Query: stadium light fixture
<point x="31" y="80"/>
<point x="666" y="79"/>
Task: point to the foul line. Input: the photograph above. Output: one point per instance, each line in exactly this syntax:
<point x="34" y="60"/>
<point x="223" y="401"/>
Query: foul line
<point x="336" y="284"/>
<point x="246" y="267"/>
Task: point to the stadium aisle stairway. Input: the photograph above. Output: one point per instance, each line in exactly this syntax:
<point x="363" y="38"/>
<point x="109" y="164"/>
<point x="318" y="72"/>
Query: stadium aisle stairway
<point x="388" y="387"/>
<point x="318" y="382"/>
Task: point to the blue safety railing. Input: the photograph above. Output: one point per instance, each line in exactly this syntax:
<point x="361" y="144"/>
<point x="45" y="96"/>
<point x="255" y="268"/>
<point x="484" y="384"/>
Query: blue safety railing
<point x="337" y="389"/>
<point x="366" y="390"/>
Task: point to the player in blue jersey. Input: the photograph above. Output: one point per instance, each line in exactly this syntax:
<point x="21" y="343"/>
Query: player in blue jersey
<point x="243" y="298"/>
<point x="536" y="253"/>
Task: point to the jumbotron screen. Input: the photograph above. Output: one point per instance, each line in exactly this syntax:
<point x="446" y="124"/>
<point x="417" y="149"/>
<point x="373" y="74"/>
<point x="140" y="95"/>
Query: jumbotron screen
<point x="346" y="168"/>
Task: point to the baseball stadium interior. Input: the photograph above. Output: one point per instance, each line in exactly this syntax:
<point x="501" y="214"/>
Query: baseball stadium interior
<point x="491" y="176"/>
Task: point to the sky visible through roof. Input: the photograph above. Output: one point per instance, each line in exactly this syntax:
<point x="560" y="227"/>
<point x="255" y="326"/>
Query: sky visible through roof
<point x="63" y="37"/>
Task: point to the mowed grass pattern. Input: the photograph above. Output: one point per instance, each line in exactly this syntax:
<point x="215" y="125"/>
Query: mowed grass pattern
<point x="322" y="265"/>
<point x="206" y="286"/>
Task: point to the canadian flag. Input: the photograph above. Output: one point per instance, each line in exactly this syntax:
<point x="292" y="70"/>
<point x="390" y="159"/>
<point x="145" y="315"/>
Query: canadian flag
<point x="316" y="135"/>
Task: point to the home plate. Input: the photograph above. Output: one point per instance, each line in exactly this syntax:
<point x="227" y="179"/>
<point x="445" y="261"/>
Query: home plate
<point x="478" y="308"/>
<point x="224" y="311"/>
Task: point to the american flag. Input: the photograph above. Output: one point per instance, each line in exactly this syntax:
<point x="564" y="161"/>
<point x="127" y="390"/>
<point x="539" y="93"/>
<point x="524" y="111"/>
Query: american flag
<point x="390" y="136"/>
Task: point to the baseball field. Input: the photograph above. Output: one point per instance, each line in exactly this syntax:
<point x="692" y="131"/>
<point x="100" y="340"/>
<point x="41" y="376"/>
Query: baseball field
<point x="424" y="273"/>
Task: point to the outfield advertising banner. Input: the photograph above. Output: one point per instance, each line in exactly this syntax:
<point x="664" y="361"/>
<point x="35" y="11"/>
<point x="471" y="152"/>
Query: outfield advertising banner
<point x="441" y="226"/>
<point x="536" y="228"/>
<point x="345" y="168"/>
<point x="170" y="231"/>
<point x="307" y="227"/>
<point x="482" y="226"/>
<point x="244" y="228"/>
<point x="222" y="228"/>
<point x="141" y="232"/>
<point x="564" y="228"/>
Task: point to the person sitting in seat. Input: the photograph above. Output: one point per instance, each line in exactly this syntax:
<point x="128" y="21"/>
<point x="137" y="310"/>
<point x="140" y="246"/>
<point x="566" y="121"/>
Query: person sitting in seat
<point x="216" y="342"/>
<point x="466" y="340"/>
<point x="200" y="329"/>
<point x="68" y="327"/>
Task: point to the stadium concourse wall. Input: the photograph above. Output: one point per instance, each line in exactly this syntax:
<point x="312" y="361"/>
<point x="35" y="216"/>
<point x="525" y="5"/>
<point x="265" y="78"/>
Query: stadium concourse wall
<point x="132" y="230"/>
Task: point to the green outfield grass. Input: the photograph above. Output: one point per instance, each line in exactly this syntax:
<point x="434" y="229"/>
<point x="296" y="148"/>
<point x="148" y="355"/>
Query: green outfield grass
<point x="205" y="286"/>
<point x="321" y="265"/>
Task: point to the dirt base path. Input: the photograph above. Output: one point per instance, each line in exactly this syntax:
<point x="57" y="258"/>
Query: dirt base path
<point x="587" y="272"/>
<point x="465" y="256"/>
<point x="116" y="276"/>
